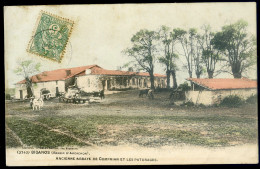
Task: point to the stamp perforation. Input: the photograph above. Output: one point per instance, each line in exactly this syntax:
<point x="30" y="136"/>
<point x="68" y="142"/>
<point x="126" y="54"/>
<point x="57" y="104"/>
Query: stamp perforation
<point x="35" y="31"/>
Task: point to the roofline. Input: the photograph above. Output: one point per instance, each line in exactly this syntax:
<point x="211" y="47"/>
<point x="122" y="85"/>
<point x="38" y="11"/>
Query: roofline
<point x="120" y="75"/>
<point x="200" y="84"/>
<point x="91" y="66"/>
<point x="222" y="88"/>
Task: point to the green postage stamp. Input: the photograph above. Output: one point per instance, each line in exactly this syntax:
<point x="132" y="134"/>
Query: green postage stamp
<point x="50" y="37"/>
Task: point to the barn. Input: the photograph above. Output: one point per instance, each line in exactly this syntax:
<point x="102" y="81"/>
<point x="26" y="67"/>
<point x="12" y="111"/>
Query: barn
<point x="91" y="78"/>
<point x="212" y="91"/>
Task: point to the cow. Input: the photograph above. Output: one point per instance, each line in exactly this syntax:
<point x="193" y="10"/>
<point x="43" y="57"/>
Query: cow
<point x="143" y="92"/>
<point x="36" y="103"/>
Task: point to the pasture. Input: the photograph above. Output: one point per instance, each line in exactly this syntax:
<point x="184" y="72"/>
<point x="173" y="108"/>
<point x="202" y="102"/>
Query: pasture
<point x="125" y="119"/>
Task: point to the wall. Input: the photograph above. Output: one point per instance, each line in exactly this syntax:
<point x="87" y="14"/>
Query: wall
<point x="199" y="97"/>
<point x="51" y="86"/>
<point x="243" y="93"/>
<point x="89" y="83"/>
<point x="214" y="97"/>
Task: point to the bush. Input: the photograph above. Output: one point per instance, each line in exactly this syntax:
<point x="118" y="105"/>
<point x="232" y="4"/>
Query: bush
<point x="7" y="96"/>
<point x="184" y="87"/>
<point x="232" y="101"/>
<point x="252" y="99"/>
<point x="188" y="104"/>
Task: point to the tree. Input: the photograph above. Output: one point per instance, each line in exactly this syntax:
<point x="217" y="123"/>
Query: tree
<point x="210" y="55"/>
<point x="186" y="39"/>
<point x="26" y="68"/>
<point x="143" y="51"/>
<point x="168" y="42"/>
<point x="238" y="47"/>
<point x="197" y="56"/>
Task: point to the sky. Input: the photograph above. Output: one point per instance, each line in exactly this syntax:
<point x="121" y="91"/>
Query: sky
<point x="101" y="32"/>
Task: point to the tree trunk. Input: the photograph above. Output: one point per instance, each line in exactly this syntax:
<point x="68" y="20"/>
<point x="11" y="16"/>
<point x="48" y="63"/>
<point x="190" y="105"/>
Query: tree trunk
<point x="175" y="85"/>
<point x="210" y="74"/>
<point x="237" y="75"/>
<point x="168" y="73"/>
<point x="152" y="80"/>
<point x="235" y="67"/>
<point x="198" y="75"/>
<point x="29" y="87"/>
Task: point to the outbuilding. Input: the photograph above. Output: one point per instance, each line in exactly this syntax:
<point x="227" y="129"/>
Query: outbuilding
<point x="212" y="91"/>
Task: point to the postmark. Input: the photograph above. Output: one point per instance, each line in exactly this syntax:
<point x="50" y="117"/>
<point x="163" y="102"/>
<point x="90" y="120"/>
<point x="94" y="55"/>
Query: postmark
<point x="51" y="36"/>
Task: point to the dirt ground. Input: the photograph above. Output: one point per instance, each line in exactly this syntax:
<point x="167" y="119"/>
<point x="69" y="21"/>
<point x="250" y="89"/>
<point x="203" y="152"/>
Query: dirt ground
<point x="125" y="119"/>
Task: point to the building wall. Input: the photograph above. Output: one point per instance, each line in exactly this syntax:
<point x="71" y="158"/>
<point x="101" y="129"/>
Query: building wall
<point x="51" y="86"/>
<point x="214" y="97"/>
<point x="91" y="83"/>
<point x="199" y="97"/>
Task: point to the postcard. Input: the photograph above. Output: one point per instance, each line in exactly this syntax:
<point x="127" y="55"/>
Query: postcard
<point x="131" y="84"/>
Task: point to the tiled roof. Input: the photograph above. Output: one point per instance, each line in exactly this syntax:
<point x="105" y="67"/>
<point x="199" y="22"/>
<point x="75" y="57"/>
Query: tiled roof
<point x="217" y="84"/>
<point x="61" y="74"/>
<point x="101" y="71"/>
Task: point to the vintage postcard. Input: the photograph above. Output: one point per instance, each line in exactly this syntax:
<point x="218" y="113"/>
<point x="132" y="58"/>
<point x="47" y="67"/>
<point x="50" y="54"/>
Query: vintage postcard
<point x="131" y="84"/>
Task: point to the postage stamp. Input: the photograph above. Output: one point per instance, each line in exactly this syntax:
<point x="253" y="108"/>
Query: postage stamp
<point x="51" y="36"/>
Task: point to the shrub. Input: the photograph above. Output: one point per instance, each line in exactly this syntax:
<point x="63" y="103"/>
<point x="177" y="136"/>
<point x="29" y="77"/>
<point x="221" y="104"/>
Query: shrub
<point x="188" y="104"/>
<point x="232" y="101"/>
<point x="7" y="96"/>
<point x="252" y="99"/>
<point x="184" y="86"/>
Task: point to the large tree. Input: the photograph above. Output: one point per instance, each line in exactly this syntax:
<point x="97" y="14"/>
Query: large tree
<point x="197" y="55"/>
<point x="210" y="55"/>
<point x="237" y="46"/>
<point x="168" y="59"/>
<point x="26" y="68"/>
<point x="188" y="44"/>
<point x="143" y="51"/>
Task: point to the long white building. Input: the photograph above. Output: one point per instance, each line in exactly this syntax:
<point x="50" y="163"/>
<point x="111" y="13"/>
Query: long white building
<point x="90" y="78"/>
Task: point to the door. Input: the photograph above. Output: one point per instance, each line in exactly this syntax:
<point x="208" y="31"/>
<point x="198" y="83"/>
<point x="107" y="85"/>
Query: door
<point x="21" y="94"/>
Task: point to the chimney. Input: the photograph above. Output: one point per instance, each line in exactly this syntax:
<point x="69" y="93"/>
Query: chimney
<point x="68" y="72"/>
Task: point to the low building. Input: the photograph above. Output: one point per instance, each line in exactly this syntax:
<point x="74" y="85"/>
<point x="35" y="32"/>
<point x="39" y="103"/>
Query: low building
<point x="212" y="91"/>
<point x="90" y="78"/>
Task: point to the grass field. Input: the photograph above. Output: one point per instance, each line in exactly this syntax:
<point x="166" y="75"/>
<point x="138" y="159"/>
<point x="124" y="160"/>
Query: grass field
<point x="125" y="119"/>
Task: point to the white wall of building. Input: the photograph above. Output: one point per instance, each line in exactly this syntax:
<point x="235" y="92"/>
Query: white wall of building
<point x="89" y="83"/>
<point x="214" y="97"/>
<point x="199" y="97"/>
<point x="51" y="86"/>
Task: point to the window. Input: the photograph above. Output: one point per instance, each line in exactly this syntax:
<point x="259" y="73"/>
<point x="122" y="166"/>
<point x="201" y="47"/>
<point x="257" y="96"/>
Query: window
<point x="56" y="82"/>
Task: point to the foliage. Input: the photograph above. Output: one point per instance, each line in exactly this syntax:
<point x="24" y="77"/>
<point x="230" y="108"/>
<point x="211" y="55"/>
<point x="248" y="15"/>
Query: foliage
<point x="169" y="57"/>
<point x="237" y="46"/>
<point x="189" y="41"/>
<point x="26" y="68"/>
<point x="184" y="87"/>
<point x="188" y="104"/>
<point x="143" y="51"/>
<point x="210" y="55"/>
<point x="7" y="96"/>
<point x="252" y="99"/>
<point x="232" y="101"/>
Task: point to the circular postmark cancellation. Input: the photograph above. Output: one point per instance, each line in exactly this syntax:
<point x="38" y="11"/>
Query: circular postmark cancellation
<point x="51" y="36"/>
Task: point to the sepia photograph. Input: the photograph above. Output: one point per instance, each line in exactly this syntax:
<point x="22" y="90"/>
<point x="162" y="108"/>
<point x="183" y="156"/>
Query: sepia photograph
<point x="131" y="84"/>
